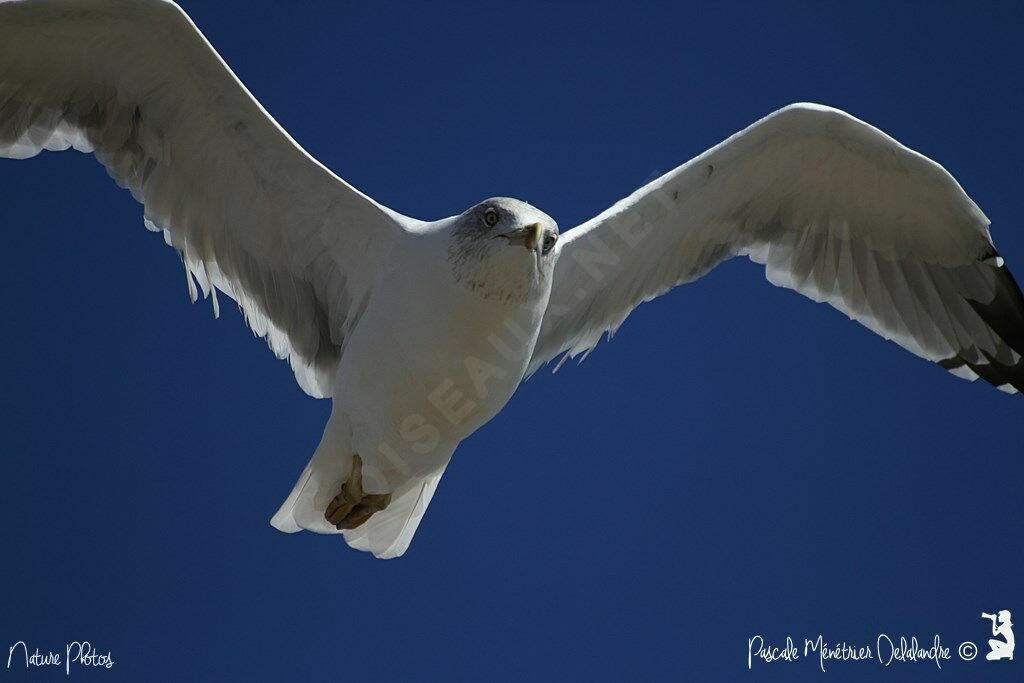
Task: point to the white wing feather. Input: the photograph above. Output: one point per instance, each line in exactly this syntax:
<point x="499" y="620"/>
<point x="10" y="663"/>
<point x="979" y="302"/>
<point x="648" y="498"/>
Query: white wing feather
<point x="836" y="210"/>
<point x="251" y="213"/>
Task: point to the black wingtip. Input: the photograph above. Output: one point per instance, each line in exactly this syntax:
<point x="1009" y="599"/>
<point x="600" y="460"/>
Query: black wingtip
<point x="1004" y="314"/>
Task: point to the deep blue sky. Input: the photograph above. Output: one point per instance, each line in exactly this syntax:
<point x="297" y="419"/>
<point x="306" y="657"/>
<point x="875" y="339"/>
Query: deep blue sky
<point x="738" y="461"/>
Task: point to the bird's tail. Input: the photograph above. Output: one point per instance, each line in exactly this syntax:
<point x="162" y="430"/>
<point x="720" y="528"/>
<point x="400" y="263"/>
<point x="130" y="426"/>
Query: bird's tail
<point x="387" y="533"/>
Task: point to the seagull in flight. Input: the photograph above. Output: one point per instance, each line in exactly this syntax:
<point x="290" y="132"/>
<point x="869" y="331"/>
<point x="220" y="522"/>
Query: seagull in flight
<point x="420" y="331"/>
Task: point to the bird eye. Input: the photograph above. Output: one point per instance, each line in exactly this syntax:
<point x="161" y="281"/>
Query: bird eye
<point x="549" y="242"/>
<point x="491" y="218"/>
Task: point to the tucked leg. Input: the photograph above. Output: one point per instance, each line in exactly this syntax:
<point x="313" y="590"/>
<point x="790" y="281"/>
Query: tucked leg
<point x="371" y="503"/>
<point x="352" y="506"/>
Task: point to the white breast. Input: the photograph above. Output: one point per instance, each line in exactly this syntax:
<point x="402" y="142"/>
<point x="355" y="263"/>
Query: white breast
<point x="431" y="361"/>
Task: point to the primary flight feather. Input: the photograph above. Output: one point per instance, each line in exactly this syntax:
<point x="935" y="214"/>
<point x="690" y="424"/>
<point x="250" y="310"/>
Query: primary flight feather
<point x="421" y="331"/>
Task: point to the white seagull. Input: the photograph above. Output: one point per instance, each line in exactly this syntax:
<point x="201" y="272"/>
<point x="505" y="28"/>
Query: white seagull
<point x="421" y="331"/>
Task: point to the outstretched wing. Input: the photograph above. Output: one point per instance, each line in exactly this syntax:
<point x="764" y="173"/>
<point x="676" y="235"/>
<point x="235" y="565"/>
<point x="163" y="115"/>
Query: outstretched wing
<point x="834" y="209"/>
<point x="251" y="213"/>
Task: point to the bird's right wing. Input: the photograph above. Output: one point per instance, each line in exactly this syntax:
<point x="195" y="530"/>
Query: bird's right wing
<point x="836" y="210"/>
<point x="250" y="211"/>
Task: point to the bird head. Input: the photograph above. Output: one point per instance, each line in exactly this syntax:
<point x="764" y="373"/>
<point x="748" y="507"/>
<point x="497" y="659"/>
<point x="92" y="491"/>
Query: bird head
<point x="503" y="247"/>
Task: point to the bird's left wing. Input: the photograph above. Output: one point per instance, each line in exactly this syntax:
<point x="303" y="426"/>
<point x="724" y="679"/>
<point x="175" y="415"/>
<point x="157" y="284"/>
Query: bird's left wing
<point x="254" y="215"/>
<point x="834" y="209"/>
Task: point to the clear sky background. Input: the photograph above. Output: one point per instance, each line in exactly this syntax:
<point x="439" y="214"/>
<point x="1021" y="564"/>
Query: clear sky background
<point x="738" y="461"/>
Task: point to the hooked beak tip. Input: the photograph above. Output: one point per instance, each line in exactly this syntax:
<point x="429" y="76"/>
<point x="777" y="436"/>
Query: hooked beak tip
<point x="535" y="242"/>
<point x="534" y="236"/>
<point x="531" y="237"/>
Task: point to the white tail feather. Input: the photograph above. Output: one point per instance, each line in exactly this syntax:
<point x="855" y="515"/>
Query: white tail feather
<point x="386" y="534"/>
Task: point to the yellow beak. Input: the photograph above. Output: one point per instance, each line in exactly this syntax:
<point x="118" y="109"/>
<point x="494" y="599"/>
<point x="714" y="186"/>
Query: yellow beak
<point x="534" y="236"/>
